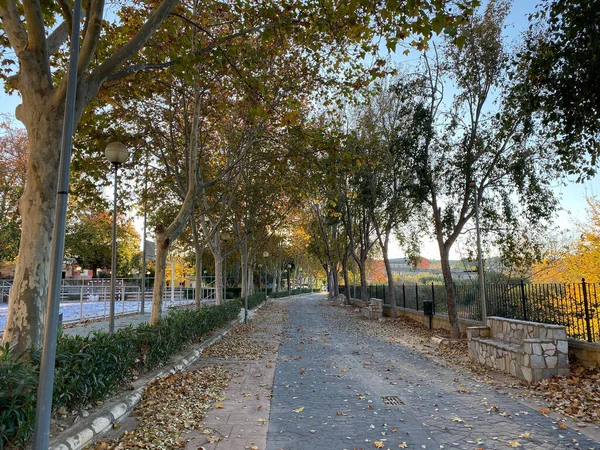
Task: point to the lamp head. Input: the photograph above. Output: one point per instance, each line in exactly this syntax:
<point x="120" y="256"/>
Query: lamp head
<point x="265" y="254"/>
<point x="116" y="153"/>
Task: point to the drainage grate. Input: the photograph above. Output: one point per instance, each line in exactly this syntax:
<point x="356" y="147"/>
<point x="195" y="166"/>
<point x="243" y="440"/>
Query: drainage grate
<point x="392" y="400"/>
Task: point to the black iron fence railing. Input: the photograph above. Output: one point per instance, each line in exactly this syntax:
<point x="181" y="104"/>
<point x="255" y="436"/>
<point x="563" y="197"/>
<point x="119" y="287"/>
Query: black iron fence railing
<point x="574" y="305"/>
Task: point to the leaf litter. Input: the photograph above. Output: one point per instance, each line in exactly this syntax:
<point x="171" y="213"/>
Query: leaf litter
<point x="171" y="406"/>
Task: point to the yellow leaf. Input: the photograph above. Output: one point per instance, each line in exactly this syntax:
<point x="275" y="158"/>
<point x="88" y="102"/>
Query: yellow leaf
<point x="379" y="444"/>
<point x="299" y="410"/>
<point x="562" y="426"/>
<point x="219" y="405"/>
<point x="525" y="435"/>
<point x="403" y="445"/>
<point x="514" y="444"/>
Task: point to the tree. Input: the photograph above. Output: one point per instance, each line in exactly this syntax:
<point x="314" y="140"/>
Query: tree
<point x="35" y="32"/>
<point x="472" y="145"/>
<point x="569" y="263"/>
<point x="14" y="150"/>
<point x="556" y="72"/>
<point x="88" y="241"/>
<point x="382" y="180"/>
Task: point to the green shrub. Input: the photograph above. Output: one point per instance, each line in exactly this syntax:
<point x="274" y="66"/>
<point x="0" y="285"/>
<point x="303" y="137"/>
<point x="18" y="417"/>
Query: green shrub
<point x="255" y="299"/>
<point x="89" y="369"/>
<point x="284" y="293"/>
<point x="18" y="378"/>
<point x="279" y="294"/>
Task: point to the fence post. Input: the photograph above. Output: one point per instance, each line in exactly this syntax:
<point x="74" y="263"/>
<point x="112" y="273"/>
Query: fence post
<point x="81" y="303"/>
<point x="433" y="297"/>
<point x="587" y="310"/>
<point x="417" y="295"/>
<point x="404" y="296"/>
<point x="524" y="300"/>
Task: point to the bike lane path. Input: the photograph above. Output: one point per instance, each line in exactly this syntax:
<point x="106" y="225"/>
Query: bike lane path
<point x="336" y="388"/>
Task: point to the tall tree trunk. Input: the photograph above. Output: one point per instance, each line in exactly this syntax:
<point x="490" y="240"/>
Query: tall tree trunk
<point x="391" y="288"/>
<point x="199" y="248"/>
<point x="336" y="281"/>
<point x="449" y="285"/>
<point x="364" y="291"/>
<point x="244" y="264"/>
<point x="162" y="249"/>
<point x="346" y="280"/>
<point x="218" y="277"/>
<point x="198" y="291"/>
<point x="165" y="237"/>
<point x="28" y="296"/>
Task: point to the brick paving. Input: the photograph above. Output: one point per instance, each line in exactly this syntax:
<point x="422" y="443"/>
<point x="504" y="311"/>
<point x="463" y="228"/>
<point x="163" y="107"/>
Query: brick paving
<point x="330" y="383"/>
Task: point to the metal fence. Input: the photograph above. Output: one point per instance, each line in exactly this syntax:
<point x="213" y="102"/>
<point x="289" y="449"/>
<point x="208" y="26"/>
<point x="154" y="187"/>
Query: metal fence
<point x="575" y="305"/>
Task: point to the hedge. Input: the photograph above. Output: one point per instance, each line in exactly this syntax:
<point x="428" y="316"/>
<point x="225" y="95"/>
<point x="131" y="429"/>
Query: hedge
<point x="91" y="368"/>
<point x="284" y="293"/>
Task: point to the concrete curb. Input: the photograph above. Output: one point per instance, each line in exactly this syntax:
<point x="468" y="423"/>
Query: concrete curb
<point x="85" y="432"/>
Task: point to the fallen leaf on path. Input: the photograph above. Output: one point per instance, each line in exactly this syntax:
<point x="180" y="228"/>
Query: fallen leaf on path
<point x="299" y="410"/>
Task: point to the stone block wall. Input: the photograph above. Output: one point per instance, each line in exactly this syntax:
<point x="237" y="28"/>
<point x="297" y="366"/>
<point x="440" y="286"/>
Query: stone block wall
<point x="374" y="310"/>
<point x="527" y="350"/>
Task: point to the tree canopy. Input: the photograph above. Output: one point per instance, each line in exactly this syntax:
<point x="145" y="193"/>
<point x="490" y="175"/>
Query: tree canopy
<point x="556" y="79"/>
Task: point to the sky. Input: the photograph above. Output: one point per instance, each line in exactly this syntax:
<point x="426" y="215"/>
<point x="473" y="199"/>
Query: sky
<point x="572" y="196"/>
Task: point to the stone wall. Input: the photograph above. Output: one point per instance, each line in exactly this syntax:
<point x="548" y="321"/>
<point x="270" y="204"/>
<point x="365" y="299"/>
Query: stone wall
<point x="374" y="310"/>
<point x="586" y="353"/>
<point x="527" y="350"/>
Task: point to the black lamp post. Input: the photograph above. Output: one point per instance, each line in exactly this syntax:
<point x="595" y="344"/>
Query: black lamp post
<point x="116" y="153"/>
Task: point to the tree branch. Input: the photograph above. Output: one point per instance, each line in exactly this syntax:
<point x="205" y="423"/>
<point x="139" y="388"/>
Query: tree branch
<point x="67" y="13"/>
<point x="91" y="35"/>
<point x="136" y="43"/>
<point x="138" y="68"/>
<point x="57" y="37"/>
<point x="11" y="23"/>
<point x="35" y="26"/>
<point x="216" y="44"/>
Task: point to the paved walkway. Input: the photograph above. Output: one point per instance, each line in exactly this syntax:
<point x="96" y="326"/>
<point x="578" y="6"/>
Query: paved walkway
<point x="336" y="389"/>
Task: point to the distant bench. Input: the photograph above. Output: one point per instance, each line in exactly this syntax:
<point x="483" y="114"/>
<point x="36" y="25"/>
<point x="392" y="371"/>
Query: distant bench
<point x="527" y="350"/>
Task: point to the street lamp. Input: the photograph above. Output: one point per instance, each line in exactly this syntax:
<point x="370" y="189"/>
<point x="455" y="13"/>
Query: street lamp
<point x="116" y="153"/>
<point x="265" y="256"/>
<point x="289" y="269"/>
<point x="473" y="184"/>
